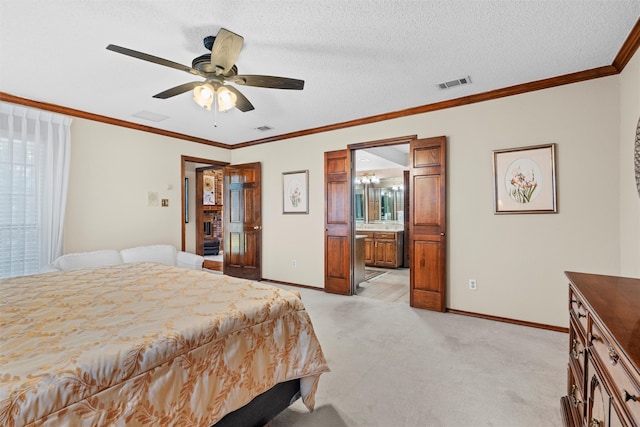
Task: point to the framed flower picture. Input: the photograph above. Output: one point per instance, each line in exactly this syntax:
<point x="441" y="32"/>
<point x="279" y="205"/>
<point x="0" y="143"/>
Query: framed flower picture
<point x="295" y="192"/>
<point x="525" y="180"/>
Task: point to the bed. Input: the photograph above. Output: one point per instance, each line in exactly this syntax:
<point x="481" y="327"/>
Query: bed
<point x="149" y="344"/>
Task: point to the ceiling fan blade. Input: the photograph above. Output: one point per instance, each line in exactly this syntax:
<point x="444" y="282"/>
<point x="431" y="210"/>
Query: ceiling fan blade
<point x="225" y="50"/>
<point x="154" y="59"/>
<point x="272" y="82"/>
<point x="242" y="103"/>
<point x="177" y="90"/>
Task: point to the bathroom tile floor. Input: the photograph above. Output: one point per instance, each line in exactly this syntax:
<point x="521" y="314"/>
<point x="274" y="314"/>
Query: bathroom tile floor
<point x="391" y="286"/>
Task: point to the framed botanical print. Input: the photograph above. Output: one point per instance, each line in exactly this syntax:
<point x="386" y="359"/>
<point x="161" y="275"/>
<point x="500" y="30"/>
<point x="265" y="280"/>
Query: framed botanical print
<point x="295" y="192"/>
<point x="525" y="180"/>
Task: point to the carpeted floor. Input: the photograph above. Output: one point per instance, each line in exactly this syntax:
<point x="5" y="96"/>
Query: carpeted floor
<point x="392" y="365"/>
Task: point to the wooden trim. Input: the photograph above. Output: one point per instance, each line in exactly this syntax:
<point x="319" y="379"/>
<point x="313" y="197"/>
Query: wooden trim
<point x="507" y="320"/>
<point x="297" y="285"/>
<point x="108" y="120"/>
<point x="382" y="142"/>
<point x="630" y="46"/>
<point x="203" y="160"/>
<point x="594" y="73"/>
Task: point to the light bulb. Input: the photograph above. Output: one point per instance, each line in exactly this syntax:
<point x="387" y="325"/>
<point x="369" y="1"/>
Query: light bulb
<point x="226" y="99"/>
<point x="203" y="95"/>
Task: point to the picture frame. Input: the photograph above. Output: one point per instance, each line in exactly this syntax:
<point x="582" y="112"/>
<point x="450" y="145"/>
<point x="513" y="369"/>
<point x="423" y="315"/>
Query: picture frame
<point x="525" y="180"/>
<point x="208" y="190"/>
<point x="295" y="192"/>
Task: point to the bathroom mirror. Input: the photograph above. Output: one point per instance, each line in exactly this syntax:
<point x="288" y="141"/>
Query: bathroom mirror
<point x="379" y="203"/>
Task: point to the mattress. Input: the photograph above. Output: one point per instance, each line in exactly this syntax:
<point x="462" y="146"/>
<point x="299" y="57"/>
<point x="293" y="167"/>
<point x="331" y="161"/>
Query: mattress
<point x="147" y="344"/>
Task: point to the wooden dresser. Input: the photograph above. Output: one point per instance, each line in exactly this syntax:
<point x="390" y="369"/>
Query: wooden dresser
<point x="603" y="381"/>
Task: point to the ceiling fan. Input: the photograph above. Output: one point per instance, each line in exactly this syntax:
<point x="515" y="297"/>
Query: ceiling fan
<point x="218" y="70"/>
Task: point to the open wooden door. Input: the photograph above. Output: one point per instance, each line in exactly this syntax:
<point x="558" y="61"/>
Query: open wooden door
<point x="428" y="223"/>
<point x="243" y="221"/>
<point x="337" y="222"/>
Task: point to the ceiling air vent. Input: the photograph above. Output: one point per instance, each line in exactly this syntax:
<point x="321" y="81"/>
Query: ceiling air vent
<point x="263" y="128"/>
<point x="458" y="82"/>
<point x="148" y="115"/>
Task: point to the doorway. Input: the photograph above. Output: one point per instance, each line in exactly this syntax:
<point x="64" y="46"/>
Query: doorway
<point x="202" y="209"/>
<point x="426" y="217"/>
<point x="381" y="228"/>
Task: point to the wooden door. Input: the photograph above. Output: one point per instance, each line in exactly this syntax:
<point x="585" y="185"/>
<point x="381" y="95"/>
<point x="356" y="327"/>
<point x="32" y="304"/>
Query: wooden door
<point x="427" y="233"/>
<point x="243" y="221"/>
<point x="337" y="223"/>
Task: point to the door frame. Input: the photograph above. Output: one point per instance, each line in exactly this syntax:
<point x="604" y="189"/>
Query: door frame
<point x="348" y="287"/>
<point x="183" y="160"/>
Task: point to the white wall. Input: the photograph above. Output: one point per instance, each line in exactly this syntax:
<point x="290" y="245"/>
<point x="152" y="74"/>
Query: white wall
<point x="112" y="170"/>
<point x="518" y="260"/>
<point x="629" y="198"/>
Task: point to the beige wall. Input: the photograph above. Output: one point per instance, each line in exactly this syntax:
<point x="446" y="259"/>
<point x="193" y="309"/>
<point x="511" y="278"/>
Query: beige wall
<point x="518" y="260"/>
<point x="112" y="171"/>
<point x="629" y="198"/>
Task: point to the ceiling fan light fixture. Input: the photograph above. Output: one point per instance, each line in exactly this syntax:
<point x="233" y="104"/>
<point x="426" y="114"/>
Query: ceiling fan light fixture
<point x="203" y="95"/>
<point x="226" y="99"/>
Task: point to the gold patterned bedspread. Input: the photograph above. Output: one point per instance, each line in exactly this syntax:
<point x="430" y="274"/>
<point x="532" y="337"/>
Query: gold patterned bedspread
<point x="147" y="344"/>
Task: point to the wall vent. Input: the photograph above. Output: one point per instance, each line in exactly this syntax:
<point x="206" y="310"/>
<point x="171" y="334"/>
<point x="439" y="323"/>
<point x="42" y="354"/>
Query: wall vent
<point x="457" y="82"/>
<point x="263" y="128"/>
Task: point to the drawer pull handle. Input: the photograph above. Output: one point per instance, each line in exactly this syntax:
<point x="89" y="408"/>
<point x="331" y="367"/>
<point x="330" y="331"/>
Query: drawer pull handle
<point x="574" y="400"/>
<point x="575" y="301"/>
<point x="574" y="350"/>
<point x="581" y="315"/>
<point x="613" y="356"/>
<point x="595" y="423"/>
<point x="627" y="396"/>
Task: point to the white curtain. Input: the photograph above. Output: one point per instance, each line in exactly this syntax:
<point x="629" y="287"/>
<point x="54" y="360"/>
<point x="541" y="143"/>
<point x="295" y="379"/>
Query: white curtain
<point x="34" y="173"/>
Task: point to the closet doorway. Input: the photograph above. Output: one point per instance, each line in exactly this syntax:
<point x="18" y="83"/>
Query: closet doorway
<point x="203" y="208"/>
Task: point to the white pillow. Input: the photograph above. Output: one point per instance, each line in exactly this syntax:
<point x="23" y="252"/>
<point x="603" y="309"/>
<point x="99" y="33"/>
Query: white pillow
<point x="162" y="254"/>
<point x="189" y="260"/>
<point x="88" y="259"/>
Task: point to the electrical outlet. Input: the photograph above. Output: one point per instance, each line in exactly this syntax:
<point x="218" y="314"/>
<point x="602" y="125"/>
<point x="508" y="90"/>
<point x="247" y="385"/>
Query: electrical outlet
<point x="473" y="285"/>
<point x="294" y="263"/>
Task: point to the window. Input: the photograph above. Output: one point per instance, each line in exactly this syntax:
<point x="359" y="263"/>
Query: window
<point x="34" y="163"/>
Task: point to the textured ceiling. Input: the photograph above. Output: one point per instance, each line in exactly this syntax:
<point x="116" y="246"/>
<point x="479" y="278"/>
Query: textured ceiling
<point x="358" y="58"/>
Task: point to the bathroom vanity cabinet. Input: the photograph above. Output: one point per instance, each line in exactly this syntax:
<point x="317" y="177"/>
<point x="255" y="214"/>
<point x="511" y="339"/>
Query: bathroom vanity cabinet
<point x="383" y="248"/>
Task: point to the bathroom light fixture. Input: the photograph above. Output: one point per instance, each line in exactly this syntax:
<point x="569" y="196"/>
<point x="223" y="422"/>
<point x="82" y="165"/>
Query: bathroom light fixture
<point x="367" y="179"/>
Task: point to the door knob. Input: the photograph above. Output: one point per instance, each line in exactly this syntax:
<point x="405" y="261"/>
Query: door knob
<point x="442" y="234"/>
<point x="257" y="227"/>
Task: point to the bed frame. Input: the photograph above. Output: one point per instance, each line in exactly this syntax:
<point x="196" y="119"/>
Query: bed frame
<point x="264" y="407"/>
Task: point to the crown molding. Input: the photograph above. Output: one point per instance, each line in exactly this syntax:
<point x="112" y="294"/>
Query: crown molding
<point x="628" y="49"/>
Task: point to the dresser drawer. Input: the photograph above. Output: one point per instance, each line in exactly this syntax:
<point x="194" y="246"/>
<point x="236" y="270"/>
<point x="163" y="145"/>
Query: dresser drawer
<point x="388" y="236"/>
<point x="618" y="369"/>
<point x="578" y="311"/>
<point x="575" y="394"/>
<point x="577" y="348"/>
